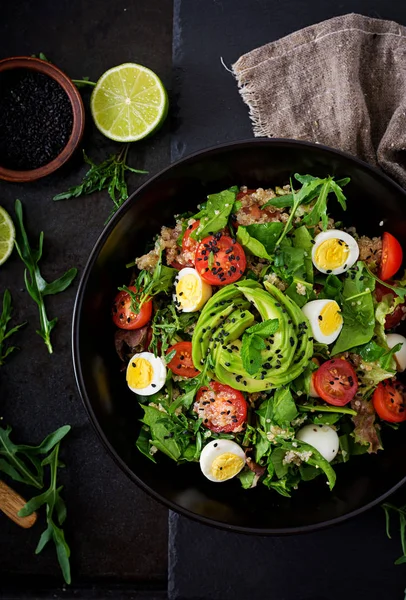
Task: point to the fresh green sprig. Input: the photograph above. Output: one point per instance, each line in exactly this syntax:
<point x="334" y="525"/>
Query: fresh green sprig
<point x="108" y="175"/>
<point x="36" y="285"/>
<point x="21" y="462"/>
<point x="55" y="515"/>
<point x="148" y="284"/>
<point x="253" y="342"/>
<point x="401" y="512"/>
<point x="4" y="334"/>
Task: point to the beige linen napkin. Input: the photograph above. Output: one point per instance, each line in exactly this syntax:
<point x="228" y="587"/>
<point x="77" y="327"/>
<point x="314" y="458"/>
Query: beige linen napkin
<point x="341" y="83"/>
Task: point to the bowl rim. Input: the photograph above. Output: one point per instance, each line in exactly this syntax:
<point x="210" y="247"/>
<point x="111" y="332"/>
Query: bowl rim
<point x="78" y="115"/>
<point x="76" y="350"/>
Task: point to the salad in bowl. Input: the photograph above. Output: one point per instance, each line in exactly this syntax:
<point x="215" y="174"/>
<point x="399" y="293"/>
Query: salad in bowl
<point x="259" y="336"/>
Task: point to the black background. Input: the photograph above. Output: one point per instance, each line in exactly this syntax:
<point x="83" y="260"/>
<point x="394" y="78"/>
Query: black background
<point x="118" y="535"/>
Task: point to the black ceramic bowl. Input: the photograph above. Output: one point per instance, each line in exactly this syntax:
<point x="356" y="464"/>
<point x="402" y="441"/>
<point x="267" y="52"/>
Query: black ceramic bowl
<point x="113" y="410"/>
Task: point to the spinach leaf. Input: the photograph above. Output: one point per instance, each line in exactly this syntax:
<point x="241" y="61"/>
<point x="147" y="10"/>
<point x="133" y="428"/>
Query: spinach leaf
<point x="284" y="407"/>
<point x="303" y="240"/>
<point x="251" y="244"/>
<point x="357" y="310"/>
<point x="266" y="233"/>
<point x="55" y="514"/>
<point x="191" y="387"/>
<point x="332" y="287"/>
<point x="262" y="445"/>
<point x="214" y="216"/>
<point x="370" y="352"/>
<point x="143" y="444"/>
<point x="4" y="333"/>
<point x="308" y="472"/>
<point x="36" y="285"/>
<point x="276" y="459"/>
<point x="246" y="477"/>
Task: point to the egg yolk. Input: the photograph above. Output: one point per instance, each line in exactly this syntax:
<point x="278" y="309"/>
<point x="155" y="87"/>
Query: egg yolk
<point x="331" y="254"/>
<point x="188" y="291"/>
<point x="140" y="374"/>
<point x="226" y="466"/>
<point x="331" y="318"/>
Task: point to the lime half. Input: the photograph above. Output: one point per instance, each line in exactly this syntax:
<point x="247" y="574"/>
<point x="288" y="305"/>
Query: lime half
<point x="7" y="235"/>
<point x="129" y="102"/>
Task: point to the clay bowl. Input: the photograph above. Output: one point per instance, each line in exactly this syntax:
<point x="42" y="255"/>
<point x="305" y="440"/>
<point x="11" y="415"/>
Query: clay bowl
<point x="41" y="66"/>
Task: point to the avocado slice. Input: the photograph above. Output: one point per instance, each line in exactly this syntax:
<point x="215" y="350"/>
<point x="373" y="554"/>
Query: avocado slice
<point x="223" y="322"/>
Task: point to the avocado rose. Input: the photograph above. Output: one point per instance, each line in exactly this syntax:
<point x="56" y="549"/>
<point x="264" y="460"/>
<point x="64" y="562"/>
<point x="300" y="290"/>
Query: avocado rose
<point x="223" y="322"/>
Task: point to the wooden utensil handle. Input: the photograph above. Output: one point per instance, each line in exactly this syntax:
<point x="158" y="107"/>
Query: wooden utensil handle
<point x="11" y="503"/>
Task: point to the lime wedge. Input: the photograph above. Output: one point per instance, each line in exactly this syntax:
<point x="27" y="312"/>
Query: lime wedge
<point x="7" y="235"/>
<point x="128" y="103"/>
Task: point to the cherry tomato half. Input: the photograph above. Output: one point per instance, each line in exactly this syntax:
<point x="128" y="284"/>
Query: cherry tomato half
<point x="228" y="260"/>
<point x="336" y="382"/>
<point x="389" y="402"/>
<point x="222" y="408"/>
<point x="124" y="317"/>
<point x="181" y="363"/>
<point x="392" y="256"/>
<point x="394" y="318"/>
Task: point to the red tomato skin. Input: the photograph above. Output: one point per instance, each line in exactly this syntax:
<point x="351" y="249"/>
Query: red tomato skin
<point x="392" y="257"/>
<point x="324" y="380"/>
<point x="226" y="399"/>
<point x="121" y="313"/>
<point x="187" y="368"/>
<point x="386" y="400"/>
<point x="395" y="318"/>
<point x="230" y="255"/>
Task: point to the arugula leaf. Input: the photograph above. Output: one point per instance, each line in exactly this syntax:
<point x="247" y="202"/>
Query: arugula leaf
<point x="326" y="409"/>
<point x="191" y="387"/>
<point x="160" y="434"/>
<point x="357" y="310"/>
<point x="4" y="333"/>
<point x="20" y="462"/>
<point x="276" y="458"/>
<point x="36" y="285"/>
<point x="399" y="290"/>
<point x="387" y="360"/>
<point x="266" y="233"/>
<point x="262" y="445"/>
<point x="108" y="175"/>
<point x="148" y="285"/>
<point x="165" y="323"/>
<point x="54" y="504"/>
<point x="214" y="216"/>
<point x="251" y="244"/>
<point x="401" y="513"/>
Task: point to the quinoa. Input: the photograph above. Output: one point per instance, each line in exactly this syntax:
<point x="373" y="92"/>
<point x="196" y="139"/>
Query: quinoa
<point x="251" y="212"/>
<point x="276" y="281"/>
<point x="370" y="250"/>
<point x="300" y="288"/>
<point x="166" y="241"/>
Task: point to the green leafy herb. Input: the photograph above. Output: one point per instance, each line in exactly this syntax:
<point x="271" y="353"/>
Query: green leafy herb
<point x="191" y="387"/>
<point x="326" y="409"/>
<point x="110" y="175"/>
<point x="55" y="515"/>
<point x="401" y="512"/>
<point x="214" y="216"/>
<point x="315" y="459"/>
<point x="36" y="285"/>
<point x="332" y="287"/>
<point x="251" y="244"/>
<point x="84" y="82"/>
<point x="4" y="333"/>
<point x="253" y="342"/>
<point x="266" y="233"/>
<point x="148" y="285"/>
<point x="246" y="478"/>
<point x="21" y="462"/>
<point x="165" y="323"/>
<point x="399" y="290"/>
<point x="283" y="407"/>
<point x="357" y="310"/>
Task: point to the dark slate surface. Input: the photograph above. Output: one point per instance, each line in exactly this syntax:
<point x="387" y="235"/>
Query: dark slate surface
<point x="353" y="560"/>
<point x="116" y="532"/>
